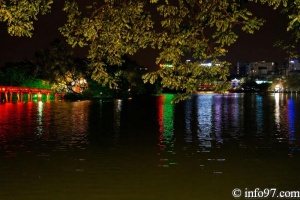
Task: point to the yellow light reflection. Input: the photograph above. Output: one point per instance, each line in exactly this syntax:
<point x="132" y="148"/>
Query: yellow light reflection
<point x="117" y="116"/>
<point x="78" y="124"/>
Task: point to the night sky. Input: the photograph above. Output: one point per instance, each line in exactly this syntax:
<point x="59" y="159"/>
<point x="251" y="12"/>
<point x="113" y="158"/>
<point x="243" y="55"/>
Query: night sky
<point x="256" y="47"/>
<point x="260" y="45"/>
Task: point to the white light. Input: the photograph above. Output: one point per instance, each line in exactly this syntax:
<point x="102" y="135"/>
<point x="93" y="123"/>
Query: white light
<point x="206" y="64"/>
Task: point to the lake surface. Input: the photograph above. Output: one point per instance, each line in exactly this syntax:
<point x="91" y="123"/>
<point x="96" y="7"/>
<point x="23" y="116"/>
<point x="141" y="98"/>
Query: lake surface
<point x="148" y="148"/>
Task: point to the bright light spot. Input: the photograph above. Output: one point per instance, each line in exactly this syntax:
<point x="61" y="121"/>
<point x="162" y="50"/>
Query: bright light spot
<point x="206" y="64"/>
<point x="278" y="88"/>
<point x="166" y="65"/>
<point x="260" y="82"/>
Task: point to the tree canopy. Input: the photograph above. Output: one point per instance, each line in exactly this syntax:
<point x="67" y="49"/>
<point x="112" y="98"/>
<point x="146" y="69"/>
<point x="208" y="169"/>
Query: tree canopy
<point x="110" y="29"/>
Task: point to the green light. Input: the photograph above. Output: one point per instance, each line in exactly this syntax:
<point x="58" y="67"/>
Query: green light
<point x="166" y="129"/>
<point x="168" y="118"/>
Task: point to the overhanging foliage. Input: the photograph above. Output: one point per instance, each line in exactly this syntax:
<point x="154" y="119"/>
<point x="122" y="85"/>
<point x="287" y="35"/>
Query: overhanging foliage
<point x="111" y="29"/>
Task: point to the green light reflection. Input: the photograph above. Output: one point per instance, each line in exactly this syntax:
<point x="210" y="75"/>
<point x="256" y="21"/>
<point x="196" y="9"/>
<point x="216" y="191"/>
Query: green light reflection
<point x="166" y="130"/>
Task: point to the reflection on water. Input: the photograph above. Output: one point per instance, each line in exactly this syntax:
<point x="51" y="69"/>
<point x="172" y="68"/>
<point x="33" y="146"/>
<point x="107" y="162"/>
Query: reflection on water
<point x="166" y="130"/>
<point x="291" y="119"/>
<point x="259" y="115"/>
<point x="204" y="117"/>
<point x="228" y="116"/>
<point x="277" y="110"/>
<point x="148" y="148"/>
<point x="218" y="120"/>
<point x="39" y="118"/>
<point x="117" y="116"/>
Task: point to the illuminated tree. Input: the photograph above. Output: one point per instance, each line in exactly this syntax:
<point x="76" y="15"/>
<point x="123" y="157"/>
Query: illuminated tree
<point x="113" y="28"/>
<point x="33" y="82"/>
<point x="57" y="65"/>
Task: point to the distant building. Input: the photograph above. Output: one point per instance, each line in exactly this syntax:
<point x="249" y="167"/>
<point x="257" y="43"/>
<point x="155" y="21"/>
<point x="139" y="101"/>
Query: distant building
<point x="293" y="67"/>
<point x="281" y="69"/>
<point x="262" y="69"/>
<point x="170" y="65"/>
<point x="243" y="69"/>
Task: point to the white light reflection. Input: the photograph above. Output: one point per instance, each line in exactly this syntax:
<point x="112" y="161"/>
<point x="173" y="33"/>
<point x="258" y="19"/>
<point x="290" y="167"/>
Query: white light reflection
<point x="277" y="111"/>
<point x="204" y="117"/>
<point x="40" y="118"/>
<point x="218" y="118"/>
<point x="235" y="110"/>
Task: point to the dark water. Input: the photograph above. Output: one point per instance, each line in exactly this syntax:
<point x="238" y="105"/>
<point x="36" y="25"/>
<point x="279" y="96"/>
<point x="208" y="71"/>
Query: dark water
<point x="147" y="148"/>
